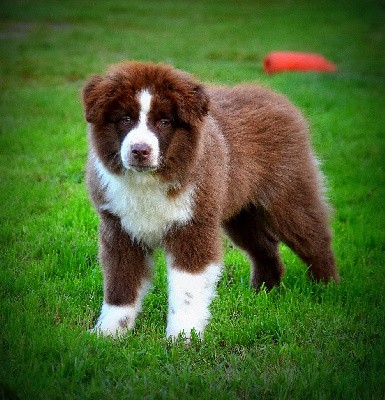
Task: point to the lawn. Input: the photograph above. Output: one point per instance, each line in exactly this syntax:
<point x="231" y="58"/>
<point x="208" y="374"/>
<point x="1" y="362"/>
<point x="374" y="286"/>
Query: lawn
<point x="301" y="340"/>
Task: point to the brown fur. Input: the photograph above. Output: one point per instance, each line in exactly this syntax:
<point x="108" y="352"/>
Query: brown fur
<point x="245" y="150"/>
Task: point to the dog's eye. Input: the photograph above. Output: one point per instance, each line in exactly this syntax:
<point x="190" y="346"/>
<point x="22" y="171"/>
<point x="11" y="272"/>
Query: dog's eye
<point x="164" y="122"/>
<point x="126" y="120"/>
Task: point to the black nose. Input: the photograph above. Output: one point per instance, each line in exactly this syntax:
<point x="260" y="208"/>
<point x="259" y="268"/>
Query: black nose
<point x="140" y="151"/>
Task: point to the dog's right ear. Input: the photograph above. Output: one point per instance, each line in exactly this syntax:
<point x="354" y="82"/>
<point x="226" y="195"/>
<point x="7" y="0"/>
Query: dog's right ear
<point x="92" y="96"/>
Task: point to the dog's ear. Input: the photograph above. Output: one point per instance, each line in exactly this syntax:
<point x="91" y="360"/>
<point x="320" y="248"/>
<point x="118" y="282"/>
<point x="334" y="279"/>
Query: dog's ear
<point x="192" y="99"/>
<point x="197" y="104"/>
<point x="92" y="96"/>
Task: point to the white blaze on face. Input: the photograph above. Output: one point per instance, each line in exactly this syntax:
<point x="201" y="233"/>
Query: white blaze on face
<point x="141" y="134"/>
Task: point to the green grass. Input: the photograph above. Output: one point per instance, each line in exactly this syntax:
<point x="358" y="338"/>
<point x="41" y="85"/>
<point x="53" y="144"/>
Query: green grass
<point x="301" y="340"/>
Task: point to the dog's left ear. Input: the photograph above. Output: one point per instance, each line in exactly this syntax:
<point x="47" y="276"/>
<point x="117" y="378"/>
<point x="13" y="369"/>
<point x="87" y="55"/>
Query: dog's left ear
<point x="193" y="101"/>
<point x="199" y="105"/>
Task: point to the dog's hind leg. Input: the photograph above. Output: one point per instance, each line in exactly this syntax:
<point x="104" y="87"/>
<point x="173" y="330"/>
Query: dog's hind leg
<point x="250" y="230"/>
<point x="302" y="223"/>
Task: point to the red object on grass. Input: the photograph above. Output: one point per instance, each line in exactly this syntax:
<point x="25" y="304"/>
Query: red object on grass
<point x="278" y="61"/>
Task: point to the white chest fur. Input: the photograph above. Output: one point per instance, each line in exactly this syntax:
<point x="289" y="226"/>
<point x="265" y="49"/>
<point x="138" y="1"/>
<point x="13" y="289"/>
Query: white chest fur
<point x="142" y="204"/>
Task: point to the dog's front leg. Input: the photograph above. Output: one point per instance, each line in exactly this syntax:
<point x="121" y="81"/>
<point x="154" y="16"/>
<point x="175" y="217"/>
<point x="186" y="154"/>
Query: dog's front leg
<point x="127" y="270"/>
<point x="192" y="279"/>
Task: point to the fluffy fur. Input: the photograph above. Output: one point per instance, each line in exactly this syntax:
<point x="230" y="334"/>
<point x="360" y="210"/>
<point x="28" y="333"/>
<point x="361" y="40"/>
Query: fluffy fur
<point x="172" y="163"/>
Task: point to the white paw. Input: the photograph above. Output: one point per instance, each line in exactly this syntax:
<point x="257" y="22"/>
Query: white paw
<point x="115" y="320"/>
<point x="185" y="330"/>
<point x="190" y="296"/>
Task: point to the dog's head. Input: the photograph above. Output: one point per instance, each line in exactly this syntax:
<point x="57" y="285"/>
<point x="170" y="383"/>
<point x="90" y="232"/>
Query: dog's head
<point x="144" y="117"/>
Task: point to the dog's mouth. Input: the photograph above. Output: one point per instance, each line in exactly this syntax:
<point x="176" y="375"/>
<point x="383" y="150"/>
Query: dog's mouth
<point x="142" y="168"/>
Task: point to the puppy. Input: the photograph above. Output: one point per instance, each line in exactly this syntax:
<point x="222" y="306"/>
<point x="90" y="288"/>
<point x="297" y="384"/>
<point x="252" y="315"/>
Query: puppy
<point x="172" y="163"/>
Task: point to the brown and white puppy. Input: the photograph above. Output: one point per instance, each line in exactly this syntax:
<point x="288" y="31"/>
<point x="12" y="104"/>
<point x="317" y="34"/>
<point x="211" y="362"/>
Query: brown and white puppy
<point x="171" y="163"/>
